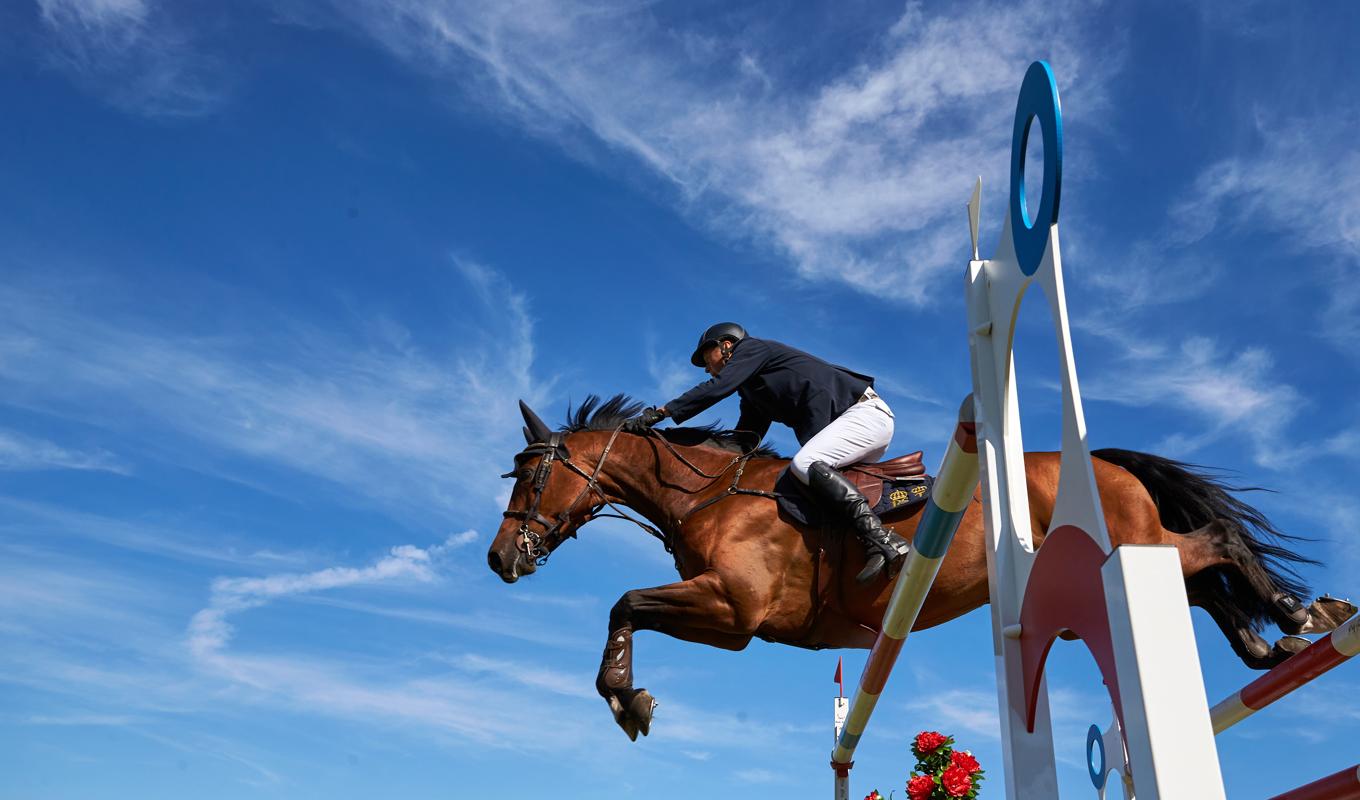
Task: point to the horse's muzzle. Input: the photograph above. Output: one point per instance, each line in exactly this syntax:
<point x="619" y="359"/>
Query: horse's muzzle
<point x="509" y="566"/>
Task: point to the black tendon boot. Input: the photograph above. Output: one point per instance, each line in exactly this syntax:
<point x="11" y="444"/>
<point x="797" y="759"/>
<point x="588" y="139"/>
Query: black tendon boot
<point x="884" y="546"/>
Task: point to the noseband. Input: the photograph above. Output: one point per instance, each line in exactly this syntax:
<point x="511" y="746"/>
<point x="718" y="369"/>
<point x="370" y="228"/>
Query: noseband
<point x="538" y="545"/>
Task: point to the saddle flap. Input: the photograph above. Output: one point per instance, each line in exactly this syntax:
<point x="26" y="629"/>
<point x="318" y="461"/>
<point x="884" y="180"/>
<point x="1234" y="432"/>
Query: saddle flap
<point x="869" y="485"/>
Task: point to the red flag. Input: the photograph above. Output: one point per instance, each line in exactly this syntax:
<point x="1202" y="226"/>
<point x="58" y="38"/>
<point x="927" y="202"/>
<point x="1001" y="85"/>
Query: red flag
<point x="839" y="683"/>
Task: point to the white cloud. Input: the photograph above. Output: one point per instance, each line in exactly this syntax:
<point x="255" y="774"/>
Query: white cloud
<point x="1233" y="394"/>
<point x="93" y="720"/>
<point x="671" y="372"/>
<point x="534" y="676"/>
<point x="465" y="538"/>
<point x="22" y="453"/>
<point x="1301" y="181"/>
<point x="390" y="424"/>
<point x="133" y="54"/>
<point x="859" y="178"/>
<point x="761" y="776"/>
<point x="509" y="626"/>
<point x="182" y="541"/>
<point x="209" y="631"/>
<point x="94" y="13"/>
<point x="971" y="711"/>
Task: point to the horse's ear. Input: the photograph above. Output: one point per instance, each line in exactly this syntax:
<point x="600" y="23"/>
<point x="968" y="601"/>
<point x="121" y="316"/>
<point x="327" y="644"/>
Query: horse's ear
<point x="528" y="437"/>
<point x="538" y="429"/>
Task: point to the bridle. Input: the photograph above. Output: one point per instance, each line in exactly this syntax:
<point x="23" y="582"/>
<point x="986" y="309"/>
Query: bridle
<point x="538" y="545"/>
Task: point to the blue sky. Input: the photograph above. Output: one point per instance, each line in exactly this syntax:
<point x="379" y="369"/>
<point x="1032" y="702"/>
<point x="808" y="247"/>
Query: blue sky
<point x="275" y="274"/>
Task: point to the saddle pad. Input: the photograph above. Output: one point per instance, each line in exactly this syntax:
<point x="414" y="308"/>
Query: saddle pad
<point x="893" y="494"/>
<point x="872" y="478"/>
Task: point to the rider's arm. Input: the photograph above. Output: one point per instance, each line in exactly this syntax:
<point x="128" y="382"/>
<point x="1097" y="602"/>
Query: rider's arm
<point x="747" y="359"/>
<point x="753" y="419"/>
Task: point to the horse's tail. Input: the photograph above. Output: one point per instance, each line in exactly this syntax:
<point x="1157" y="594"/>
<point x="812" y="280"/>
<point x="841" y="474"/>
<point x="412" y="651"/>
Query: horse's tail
<point x="1188" y="499"/>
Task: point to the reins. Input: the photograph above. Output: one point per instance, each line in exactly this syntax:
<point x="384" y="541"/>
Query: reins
<point x="538" y="545"/>
<point x="738" y="461"/>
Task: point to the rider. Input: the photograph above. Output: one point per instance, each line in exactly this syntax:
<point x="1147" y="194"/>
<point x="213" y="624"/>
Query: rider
<point x="837" y="416"/>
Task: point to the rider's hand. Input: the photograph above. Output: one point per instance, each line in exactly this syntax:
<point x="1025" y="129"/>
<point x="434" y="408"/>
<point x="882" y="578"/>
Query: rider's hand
<point x="651" y="416"/>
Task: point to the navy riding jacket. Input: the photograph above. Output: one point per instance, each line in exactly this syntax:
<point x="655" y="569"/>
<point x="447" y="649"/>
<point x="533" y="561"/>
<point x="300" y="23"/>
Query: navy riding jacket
<point x="777" y="383"/>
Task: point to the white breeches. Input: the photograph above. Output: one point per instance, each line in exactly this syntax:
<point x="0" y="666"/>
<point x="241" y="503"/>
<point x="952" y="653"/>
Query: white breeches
<point x="862" y="433"/>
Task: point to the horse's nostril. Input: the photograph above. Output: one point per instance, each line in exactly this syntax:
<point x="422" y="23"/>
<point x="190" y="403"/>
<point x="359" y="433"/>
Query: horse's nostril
<point x="494" y="559"/>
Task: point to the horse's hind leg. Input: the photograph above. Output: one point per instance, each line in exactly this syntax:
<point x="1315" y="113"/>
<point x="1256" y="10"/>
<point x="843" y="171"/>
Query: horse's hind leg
<point x="1283" y="608"/>
<point x="696" y="610"/>
<point x="1211" y="590"/>
<point x="1227" y="579"/>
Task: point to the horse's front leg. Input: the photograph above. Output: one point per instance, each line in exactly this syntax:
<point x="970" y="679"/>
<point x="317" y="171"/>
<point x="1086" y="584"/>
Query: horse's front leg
<point x="697" y="610"/>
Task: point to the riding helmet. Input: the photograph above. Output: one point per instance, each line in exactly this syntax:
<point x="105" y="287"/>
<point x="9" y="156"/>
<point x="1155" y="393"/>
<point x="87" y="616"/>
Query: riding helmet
<point x="715" y="334"/>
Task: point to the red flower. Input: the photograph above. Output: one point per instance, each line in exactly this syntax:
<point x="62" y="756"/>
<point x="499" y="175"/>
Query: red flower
<point x="874" y="795"/>
<point x="920" y="787"/>
<point x="965" y="761"/>
<point x="926" y="741"/>
<point x="957" y="781"/>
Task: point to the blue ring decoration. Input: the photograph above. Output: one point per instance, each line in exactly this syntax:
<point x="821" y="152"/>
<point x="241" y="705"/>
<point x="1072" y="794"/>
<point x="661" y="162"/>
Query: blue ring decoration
<point x="1038" y="98"/>
<point x="1094" y="736"/>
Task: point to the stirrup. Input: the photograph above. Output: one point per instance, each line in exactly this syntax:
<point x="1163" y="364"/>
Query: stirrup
<point x="877" y="562"/>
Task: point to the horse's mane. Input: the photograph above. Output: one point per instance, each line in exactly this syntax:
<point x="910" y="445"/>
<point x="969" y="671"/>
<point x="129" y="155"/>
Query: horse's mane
<point x="595" y="414"/>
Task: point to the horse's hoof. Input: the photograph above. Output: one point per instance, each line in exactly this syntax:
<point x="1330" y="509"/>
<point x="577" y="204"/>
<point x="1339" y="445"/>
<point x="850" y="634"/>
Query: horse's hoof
<point x="640" y="710"/>
<point x="1289" y="646"/>
<point x="1253" y="650"/>
<point x="1325" y="614"/>
<point x="622" y="718"/>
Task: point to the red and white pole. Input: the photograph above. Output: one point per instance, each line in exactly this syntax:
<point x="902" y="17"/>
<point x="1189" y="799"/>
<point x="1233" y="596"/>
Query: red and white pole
<point x="1319" y="657"/>
<point x="1343" y="785"/>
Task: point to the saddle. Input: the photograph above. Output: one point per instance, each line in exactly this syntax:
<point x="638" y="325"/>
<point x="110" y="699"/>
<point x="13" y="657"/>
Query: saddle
<point x="871" y="478"/>
<point x="888" y="486"/>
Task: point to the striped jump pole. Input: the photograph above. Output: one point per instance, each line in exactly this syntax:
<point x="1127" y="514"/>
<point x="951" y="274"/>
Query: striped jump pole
<point x="1343" y="785"/>
<point x="949" y="498"/>
<point x="1319" y="657"/>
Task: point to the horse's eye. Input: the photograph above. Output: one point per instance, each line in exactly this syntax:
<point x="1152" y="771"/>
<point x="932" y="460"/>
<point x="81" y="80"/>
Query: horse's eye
<point x="524" y="475"/>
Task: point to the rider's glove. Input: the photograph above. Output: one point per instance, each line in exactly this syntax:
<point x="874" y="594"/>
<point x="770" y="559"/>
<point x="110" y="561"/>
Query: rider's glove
<point x="650" y="416"/>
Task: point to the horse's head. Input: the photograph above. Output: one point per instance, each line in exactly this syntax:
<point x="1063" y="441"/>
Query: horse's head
<point x="553" y="496"/>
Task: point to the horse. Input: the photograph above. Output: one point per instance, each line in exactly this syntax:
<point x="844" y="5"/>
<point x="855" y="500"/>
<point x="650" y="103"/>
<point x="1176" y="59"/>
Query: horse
<point x="746" y="572"/>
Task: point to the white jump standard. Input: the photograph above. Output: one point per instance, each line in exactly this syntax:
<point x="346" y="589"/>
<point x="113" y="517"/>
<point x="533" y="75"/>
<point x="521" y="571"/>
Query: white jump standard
<point x="1127" y="605"/>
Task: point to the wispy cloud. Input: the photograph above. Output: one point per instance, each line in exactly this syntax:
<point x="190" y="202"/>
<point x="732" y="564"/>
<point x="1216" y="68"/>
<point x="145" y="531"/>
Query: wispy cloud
<point x="758" y="775"/>
<point x="391" y="424"/>
<point x="96" y="720"/>
<point x="454" y="706"/>
<point x="1301" y="181"/>
<point x="499" y="624"/>
<point x="671" y="372"/>
<point x="857" y="178"/>
<point x="22" y="453"/>
<point x="135" y="55"/>
<point x="1232" y="394"/>
<point x="972" y="711"/>
<point x="182" y="541"/>
<point x="209" y="631"/>
<point x="533" y="676"/>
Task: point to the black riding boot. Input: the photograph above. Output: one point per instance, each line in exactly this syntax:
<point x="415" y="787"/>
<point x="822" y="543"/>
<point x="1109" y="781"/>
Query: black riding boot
<point x="884" y="546"/>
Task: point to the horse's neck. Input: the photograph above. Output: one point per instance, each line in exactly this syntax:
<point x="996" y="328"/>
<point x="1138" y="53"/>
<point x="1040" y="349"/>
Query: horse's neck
<point x="656" y="484"/>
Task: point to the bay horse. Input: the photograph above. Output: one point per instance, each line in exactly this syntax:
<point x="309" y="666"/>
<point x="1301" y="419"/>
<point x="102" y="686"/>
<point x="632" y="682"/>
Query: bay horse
<point x="746" y="572"/>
